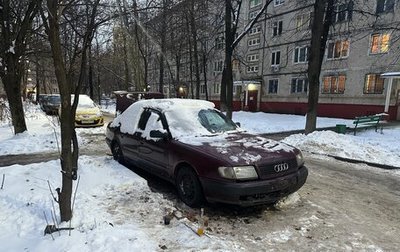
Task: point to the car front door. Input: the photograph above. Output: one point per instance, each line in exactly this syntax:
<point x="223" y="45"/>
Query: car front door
<point x="153" y="152"/>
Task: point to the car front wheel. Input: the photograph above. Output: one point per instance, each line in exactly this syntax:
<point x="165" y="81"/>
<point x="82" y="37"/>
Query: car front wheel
<point x="189" y="188"/>
<point x="117" y="153"/>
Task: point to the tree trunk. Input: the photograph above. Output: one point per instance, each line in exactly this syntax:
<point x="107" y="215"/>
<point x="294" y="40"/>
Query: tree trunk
<point x="38" y="72"/>
<point x="12" y="86"/>
<point x="193" y="29"/>
<point x="66" y="120"/>
<point x="90" y="77"/>
<point x="178" y="76"/>
<point x="127" y="72"/>
<point x="163" y="35"/>
<point x="227" y="78"/>
<point x="15" y="25"/>
<point x="320" y="30"/>
<point x="205" y="73"/>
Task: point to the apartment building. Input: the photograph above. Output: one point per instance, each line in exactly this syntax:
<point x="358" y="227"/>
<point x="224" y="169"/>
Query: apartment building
<point x="270" y="65"/>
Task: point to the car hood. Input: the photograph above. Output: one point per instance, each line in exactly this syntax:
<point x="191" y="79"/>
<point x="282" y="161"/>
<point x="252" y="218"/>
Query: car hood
<point x="241" y="148"/>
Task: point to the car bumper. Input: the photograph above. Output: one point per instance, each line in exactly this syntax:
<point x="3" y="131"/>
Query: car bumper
<point x="254" y="192"/>
<point x="89" y="122"/>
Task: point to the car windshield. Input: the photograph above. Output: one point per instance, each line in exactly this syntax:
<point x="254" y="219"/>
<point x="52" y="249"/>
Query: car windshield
<point x="54" y="99"/>
<point x="84" y="102"/>
<point x="198" y="122"/>
<point x="215" y="121"/>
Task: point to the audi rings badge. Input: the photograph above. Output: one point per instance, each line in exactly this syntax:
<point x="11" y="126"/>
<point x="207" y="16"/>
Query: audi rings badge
<point x="281" y="167"/>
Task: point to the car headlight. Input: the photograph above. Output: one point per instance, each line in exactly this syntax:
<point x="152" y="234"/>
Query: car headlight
<point x="238" y="172"/>
<point x="299" y="159"/>
<point x="99" y="114"/>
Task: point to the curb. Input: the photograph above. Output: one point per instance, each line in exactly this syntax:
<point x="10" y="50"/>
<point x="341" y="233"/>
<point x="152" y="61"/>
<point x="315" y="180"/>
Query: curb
<point x="355" y="161"/>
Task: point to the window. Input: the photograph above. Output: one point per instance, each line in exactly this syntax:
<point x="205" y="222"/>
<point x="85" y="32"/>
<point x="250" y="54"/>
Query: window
<point x="235" y="65"/>
<point x="217" y="87"/>
<point x="303" y="21"/>
<point x="237" y="90"/>
<point x="218" y="66"/>
<point x="253" y="42"/>
<point x="299" y="85"/>
<point x="301" y="54"/>
<point x="373" y="84"/>
<point x="252" y="57"/>
<point x="143" y="119"/>
<point x="383" y="6"/>
<point x="338" y="49"/>
<point x="153" y="123"/>
<point x="380" y="43"/>
<point x="273" y="86"/>
<point x="219" y="43"/>
<point x="255" y="30"/>
<point x="334" y="84"/>
<point x="278" y="2"/>
<point x="277" y="28"/>
<point x="254" y="3"/>
<point x="275" y="58"/>
<point x="252" y="69"/>
<point x="252" y="15"/>
<point x="342" y="12"/>
<point x="202" y="89"/>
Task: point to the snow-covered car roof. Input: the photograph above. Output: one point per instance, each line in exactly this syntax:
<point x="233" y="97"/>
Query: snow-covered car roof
<point x="188" y="108"/>
<point x="173" y="104"/>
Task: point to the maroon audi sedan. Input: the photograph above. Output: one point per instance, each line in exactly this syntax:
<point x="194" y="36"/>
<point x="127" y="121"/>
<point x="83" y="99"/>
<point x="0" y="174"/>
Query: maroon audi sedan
<point x="206" y="155"/>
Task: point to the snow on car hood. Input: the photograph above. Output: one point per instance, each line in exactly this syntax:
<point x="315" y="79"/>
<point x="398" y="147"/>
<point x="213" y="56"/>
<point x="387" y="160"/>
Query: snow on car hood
<point x="240" y="147"/>
<point x="87" y="111"/>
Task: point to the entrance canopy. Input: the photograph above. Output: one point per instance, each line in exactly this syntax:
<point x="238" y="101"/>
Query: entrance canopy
<point x="390" y="76"/>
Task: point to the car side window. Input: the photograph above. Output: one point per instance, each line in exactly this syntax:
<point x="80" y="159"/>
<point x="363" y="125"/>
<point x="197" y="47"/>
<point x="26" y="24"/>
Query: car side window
<point x="149" y="120"/>
<point x="144" y="117"/>
<point x="154" y="123"/>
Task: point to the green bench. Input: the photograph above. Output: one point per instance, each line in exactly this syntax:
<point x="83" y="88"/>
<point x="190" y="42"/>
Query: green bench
<point x="372" y="120"/>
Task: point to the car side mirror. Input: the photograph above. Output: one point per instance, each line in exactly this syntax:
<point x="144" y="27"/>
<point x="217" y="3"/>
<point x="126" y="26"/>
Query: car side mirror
<point x="237" y="123"/>
<point x="158" y="134"/>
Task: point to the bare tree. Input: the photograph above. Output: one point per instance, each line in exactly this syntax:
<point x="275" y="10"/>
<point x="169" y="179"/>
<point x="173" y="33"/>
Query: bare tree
<point x="232" y="10"/>
<point x="323" y="10"/>
<point x="56" y="13"/>
<point x="16" y="17"/>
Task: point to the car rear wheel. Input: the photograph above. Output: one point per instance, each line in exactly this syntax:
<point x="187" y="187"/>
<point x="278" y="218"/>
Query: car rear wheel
<point x="189" y="188"/>
<point x="117" y="153"/>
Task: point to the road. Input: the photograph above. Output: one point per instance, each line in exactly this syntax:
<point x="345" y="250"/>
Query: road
<point x="342" y="206"/>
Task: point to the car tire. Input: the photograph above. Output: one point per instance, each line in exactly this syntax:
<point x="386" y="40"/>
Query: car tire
<point x="189" y="187"/>
<point x="117" y="153"/>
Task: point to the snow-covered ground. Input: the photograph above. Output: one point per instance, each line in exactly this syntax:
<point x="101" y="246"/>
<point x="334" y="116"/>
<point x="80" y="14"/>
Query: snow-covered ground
<point x="115" y="210"/>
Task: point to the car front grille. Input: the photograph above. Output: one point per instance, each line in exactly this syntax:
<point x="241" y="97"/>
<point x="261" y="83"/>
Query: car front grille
<point x="277" y="169"/>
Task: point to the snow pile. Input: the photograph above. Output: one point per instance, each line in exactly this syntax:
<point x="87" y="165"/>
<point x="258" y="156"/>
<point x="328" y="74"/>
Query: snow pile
<point x="368" y="146"/>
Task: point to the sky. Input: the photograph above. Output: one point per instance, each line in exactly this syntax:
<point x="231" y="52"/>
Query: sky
<point x="116" y="210"/>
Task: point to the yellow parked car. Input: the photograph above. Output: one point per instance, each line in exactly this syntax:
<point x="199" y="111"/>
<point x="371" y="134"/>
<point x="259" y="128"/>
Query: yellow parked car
<point x="88" y="113"/>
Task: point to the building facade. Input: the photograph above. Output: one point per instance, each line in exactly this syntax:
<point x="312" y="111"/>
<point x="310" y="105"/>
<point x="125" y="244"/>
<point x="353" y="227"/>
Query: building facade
<point x="270" y="62"/>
